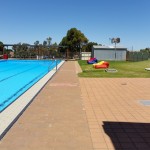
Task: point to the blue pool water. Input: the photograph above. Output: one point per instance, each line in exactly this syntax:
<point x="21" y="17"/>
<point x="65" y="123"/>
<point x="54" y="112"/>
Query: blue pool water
<point x="17" y="76"/>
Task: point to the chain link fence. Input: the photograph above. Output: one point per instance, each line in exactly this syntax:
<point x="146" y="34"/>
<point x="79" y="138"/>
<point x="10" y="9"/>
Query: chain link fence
<point x="137" y="56"/>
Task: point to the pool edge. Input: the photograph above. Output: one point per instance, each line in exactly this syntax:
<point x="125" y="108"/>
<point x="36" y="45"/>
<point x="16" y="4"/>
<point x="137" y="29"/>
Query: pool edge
<point x="11" y="114"/>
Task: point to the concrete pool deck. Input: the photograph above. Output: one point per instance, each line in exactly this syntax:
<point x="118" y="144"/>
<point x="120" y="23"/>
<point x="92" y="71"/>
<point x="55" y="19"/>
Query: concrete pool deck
<point x="11" y="113"/>
<point x="72" y="113"/>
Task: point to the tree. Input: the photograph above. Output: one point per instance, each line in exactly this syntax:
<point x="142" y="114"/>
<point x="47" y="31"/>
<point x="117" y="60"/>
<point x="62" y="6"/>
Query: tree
<point x="22" y="50"/>
<point x="25" y="53"/>
<point x="16" y="49"/>
<point x="74" y="40"/>
<point x="36" y="43"/>
<point x="1" y="47"/>
<point x="54" y="50"/>
<point x="1" y="44"/>
<point x="88" y="47"/>
<point x="146" y="50"/>
<point x="49" y="39"/>
<point x="44" y="43"/>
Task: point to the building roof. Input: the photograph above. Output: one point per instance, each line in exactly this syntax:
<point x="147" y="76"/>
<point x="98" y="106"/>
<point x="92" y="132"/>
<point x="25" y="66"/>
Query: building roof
<point x="108" y="47"/>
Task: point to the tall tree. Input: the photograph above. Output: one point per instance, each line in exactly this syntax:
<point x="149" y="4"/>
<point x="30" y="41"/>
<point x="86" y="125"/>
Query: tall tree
<point x="44" y="43"/>
<point x="36" y="43"/>
<point x="49" y="39"/>
<point x="74" y="40"/>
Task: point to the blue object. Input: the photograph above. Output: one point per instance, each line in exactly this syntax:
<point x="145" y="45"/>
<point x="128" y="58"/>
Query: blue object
<point x="17" y="76"/>
<point x="92" y="61"/>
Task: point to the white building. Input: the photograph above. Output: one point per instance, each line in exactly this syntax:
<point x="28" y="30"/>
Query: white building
<point x="109" y="52"/>
<point x="85" y="55"/>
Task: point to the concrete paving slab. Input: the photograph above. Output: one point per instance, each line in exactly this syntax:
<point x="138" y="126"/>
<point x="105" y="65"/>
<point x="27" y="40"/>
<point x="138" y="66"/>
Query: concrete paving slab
<point x="84" y="114"/>
<point x="55" y="119"/>
<point x="115" y="116"/>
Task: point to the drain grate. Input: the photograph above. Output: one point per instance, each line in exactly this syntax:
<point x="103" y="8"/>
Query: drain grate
<point x="145" y="102"/>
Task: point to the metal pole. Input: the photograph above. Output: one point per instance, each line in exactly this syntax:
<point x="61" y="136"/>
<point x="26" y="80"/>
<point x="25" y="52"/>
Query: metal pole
<point x="115" y="50"/>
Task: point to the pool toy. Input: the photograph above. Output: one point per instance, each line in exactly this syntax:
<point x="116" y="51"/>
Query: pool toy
<point x="92" y="61"/>
<point x="101" y="64"/>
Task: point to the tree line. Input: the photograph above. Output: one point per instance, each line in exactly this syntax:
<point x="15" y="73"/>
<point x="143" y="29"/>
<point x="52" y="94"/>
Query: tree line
<point x="72" y="44"/>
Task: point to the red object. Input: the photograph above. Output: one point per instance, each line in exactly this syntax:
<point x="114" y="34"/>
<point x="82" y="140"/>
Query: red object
<point x="100" y="66"/>
<point x="5" y="56"/>
<point x="104" y="65"/>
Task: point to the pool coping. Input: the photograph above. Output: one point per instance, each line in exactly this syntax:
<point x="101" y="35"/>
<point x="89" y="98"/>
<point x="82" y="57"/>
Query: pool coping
<point x="10" y="115"/>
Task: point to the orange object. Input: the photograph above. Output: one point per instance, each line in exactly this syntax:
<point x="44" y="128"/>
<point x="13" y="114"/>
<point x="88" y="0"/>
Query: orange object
<point x="102" y="64"/>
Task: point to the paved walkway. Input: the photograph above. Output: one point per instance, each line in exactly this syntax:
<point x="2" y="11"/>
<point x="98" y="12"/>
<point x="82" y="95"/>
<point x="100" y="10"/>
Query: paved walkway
<point x="116" y="118"/>
<point x="73" y="113"/>
<point x="55" y="120"/>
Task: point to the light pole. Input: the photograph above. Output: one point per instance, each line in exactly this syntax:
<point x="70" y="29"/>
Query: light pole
<point x="115" y="40"/>
<point x="115" y="50"/>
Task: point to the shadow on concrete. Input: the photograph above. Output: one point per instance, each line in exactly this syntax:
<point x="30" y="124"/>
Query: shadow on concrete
<point x="128" y="135"/>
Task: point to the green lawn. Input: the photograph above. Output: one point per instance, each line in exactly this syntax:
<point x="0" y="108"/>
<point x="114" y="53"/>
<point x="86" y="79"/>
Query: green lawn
<point x="124" y="68"/>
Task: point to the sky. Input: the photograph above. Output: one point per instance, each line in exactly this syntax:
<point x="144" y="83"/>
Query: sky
<point x="27" y="21"/>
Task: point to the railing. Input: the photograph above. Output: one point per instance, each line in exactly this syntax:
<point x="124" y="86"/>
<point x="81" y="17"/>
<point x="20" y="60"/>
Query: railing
<point x="49" y="67"/>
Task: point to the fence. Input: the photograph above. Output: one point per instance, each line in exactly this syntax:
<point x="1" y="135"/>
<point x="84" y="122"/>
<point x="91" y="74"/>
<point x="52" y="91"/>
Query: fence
<point x="137" y="56"/>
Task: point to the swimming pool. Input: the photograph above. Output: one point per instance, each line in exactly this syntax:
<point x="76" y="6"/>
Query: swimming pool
<point x="17" y="76"/>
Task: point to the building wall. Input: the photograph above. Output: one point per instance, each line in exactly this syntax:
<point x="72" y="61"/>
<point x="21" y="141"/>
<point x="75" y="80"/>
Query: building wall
<point x="109" y="54"/>
<point x="85" y="55"/>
